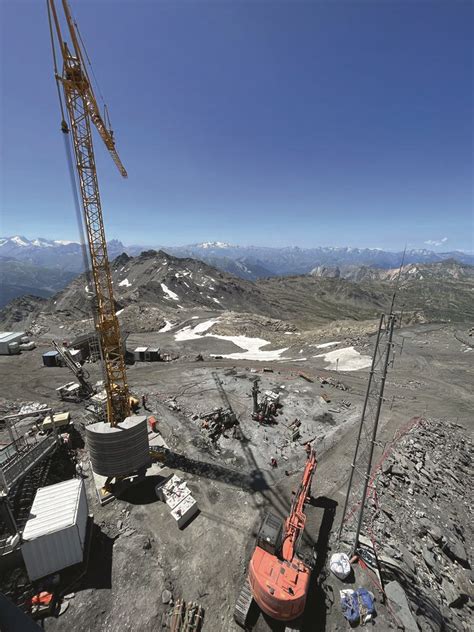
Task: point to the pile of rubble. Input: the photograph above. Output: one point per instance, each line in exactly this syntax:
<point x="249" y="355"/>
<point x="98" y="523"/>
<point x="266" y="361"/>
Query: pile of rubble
<point x="419" y="518"/>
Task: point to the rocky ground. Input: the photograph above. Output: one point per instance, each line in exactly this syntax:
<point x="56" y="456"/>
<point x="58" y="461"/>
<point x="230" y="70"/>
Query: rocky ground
<point x="419" y="519"/>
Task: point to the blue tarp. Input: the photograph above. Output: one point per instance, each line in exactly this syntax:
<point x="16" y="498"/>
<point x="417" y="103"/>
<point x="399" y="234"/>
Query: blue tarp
<point x="357" y="605"/>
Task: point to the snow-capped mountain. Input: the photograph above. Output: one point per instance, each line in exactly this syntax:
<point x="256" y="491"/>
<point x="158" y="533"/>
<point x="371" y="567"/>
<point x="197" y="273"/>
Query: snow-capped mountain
<point x="247" y="262"/>
<point x="50" y="253"/>
<point x="267" y="261"/>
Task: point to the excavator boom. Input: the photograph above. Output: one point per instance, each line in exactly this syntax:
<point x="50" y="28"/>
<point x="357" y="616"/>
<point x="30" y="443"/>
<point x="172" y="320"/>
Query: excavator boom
<point x="278" y="578"/>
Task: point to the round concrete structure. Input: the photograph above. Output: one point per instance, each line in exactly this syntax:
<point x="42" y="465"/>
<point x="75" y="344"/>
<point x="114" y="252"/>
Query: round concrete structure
<point x="121" y="450"/>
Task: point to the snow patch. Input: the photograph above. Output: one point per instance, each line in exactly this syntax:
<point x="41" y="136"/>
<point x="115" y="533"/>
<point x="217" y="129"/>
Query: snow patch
<point x="193" y="333"/>
<point x="347" y="359"/>
<point x="170" y="294"/>
<point x="324" y="345"/>
<point x="125" y="283"/>
<point x="167" y="326"/>
<point x="251" y="347"/>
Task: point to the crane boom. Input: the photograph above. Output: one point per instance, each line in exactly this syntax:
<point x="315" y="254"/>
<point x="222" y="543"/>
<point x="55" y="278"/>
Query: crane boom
<point x="82" y="107"/>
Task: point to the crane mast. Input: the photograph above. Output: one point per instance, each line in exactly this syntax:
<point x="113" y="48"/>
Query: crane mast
<point x="82" y="108"/>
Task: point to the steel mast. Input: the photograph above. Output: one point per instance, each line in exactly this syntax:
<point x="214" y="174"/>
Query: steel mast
<point x="82" y="108"/>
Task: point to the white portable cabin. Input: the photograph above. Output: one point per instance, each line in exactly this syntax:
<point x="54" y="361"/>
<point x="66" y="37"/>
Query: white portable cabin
<point x="10" y="342"/>
<point x="54" y="535"/>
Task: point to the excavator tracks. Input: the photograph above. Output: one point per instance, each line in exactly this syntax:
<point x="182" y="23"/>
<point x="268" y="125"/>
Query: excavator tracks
<point x="243" y="605"/>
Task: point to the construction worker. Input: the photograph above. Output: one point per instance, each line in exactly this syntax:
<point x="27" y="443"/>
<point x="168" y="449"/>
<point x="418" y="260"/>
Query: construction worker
<point x="273" y="462"/>
<point x="145" y="402"/>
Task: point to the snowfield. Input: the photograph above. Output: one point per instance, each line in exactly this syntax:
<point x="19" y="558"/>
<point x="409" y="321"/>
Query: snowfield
<point x="251" y="347"/>
<point x="347" y="359"/>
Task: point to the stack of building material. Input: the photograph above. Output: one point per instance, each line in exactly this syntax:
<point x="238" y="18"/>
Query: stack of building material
<point x="177" y="495"/>
<point x="59" y="420"/>
<point x="120" y="450"/>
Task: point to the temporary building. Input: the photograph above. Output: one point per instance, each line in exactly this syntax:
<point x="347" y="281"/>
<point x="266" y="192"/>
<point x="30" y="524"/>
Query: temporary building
<point x="54" y="535"/>
<point x="50" y="358"/>
<point x="153" y="354"/>
<point x="10" y="342"/>
<point x="139" y="354"/>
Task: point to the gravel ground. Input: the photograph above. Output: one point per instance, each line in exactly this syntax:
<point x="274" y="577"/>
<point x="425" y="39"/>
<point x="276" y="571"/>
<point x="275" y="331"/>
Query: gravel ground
<point x="138" y="552"/>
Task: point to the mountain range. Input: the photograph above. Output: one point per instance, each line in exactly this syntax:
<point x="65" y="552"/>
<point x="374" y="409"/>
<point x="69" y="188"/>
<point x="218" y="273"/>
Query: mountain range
<point x="44" y="265"/>
<point x="154" y="287"/>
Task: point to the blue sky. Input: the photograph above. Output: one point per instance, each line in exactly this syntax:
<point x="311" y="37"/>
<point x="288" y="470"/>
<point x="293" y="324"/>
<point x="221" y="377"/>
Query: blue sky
<point x="269" y="123"/>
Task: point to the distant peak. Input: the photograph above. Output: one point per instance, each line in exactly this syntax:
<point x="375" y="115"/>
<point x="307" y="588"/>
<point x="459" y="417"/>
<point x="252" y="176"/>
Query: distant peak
<point x="213" y="244"/>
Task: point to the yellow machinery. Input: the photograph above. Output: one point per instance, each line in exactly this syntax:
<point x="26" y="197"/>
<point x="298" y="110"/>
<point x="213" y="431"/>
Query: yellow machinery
<point x="82" y="108"/>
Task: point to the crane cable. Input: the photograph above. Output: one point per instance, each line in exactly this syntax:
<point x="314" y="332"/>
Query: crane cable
<point x="96" y="81"/>
<point x="72" y="176"/>
<point x="56" y="74"/>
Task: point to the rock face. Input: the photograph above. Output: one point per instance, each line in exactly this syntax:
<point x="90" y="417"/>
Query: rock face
<point x="422" y="519"/>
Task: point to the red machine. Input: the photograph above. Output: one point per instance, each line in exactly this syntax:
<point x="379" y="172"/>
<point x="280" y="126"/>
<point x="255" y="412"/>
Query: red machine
<point x="279" y="576"/>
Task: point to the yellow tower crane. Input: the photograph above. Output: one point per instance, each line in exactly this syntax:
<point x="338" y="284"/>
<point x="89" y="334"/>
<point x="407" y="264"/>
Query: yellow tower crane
<point x="82" y="108"/>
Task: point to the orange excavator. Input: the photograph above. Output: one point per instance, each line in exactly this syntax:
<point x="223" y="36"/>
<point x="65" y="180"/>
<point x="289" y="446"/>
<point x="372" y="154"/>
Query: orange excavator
<point x="279" y="574"/>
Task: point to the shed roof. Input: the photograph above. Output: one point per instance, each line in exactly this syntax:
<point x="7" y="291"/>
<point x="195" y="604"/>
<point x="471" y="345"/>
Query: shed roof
<point x="54" y="508"/>
<point x="7" y="336"/>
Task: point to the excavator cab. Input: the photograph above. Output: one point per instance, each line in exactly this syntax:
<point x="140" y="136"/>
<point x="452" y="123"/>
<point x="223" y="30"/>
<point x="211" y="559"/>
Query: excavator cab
<point x="269" y="536"/>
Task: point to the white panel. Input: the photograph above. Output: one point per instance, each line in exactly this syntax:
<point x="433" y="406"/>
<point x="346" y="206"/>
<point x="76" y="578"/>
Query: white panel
<point x="51" y="553"/>
<point x="55" y="532"/>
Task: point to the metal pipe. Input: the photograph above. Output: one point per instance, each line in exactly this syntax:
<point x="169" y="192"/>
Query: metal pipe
<point x="362" y="417"/>
<point x="374" y="430"/>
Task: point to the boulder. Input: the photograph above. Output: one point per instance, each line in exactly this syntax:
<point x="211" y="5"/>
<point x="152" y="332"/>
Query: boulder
<point x="455" y="549"/>
<point x="399" y="602"/>
<point x="451" y="594"/>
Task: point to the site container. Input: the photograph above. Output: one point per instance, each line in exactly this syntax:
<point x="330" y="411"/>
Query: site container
<point x="10" y="342"/>
<point x="139" y="354"/>
<point x="50" y="358"/>
<point x="54" y="535"/>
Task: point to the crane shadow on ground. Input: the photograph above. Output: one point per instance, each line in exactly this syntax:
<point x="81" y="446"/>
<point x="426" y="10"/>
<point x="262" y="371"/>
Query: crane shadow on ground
<point x="253" y="481"/>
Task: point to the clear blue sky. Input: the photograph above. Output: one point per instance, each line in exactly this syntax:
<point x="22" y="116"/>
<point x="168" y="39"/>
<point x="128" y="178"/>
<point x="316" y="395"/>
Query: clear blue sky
<point x="269" y="123"/>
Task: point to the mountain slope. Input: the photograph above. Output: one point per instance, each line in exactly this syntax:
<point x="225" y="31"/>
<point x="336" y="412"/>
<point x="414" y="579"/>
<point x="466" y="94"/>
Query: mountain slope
<point x="449" y="269"/>
<point x="18" y="278"/>
<point x="155" y="286"/>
